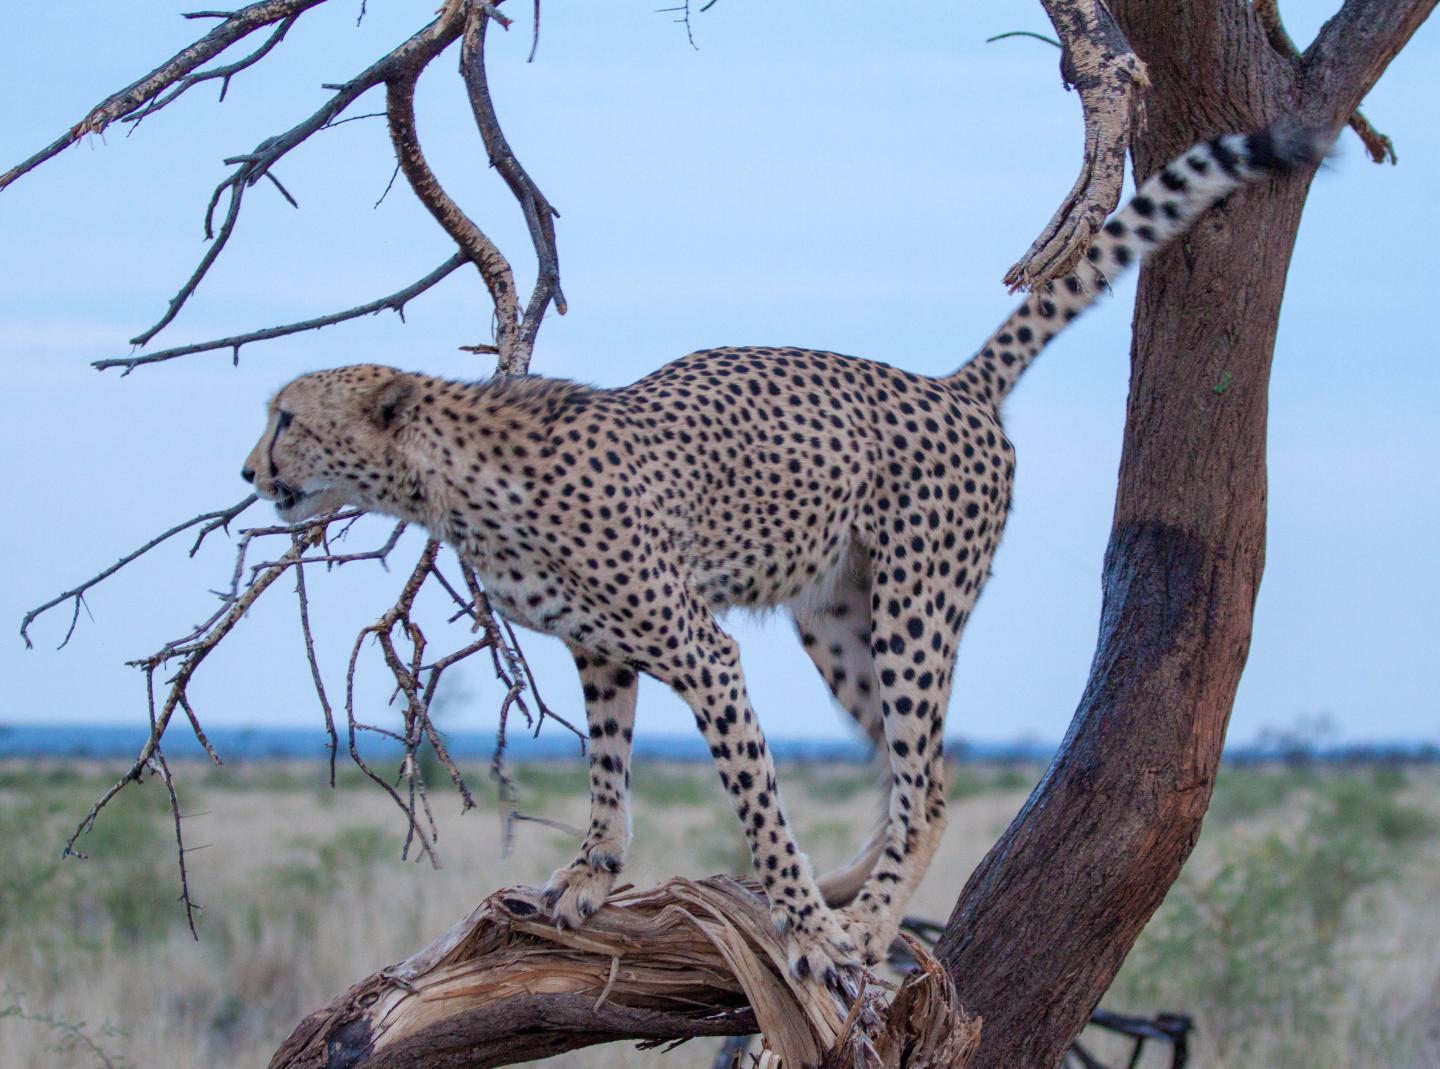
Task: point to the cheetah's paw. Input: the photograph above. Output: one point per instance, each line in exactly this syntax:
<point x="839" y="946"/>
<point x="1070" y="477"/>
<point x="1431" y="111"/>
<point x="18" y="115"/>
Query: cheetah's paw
<point x="870" y="934"/>
<point x="819" y="947"/>
<point x="575" y="892"/>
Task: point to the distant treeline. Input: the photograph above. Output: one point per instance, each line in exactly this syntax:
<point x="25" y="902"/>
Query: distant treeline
<point x="556" y="744"/>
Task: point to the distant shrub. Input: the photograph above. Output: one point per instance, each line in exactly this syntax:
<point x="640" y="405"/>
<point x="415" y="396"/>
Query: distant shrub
<point x="1244" y="793"/>
<point x="1253" y="948"/>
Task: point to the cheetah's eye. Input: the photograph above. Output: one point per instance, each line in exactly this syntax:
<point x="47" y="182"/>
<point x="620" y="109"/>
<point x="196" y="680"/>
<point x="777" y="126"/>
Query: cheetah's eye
<point x="283" y="421"/>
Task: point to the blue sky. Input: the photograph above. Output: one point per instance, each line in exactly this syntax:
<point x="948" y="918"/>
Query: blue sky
<point x="851" y="177"/>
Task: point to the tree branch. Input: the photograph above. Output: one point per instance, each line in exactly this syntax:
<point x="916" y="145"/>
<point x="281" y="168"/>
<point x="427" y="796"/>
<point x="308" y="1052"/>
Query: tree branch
<point x="1099" y="63"/>
<point x="1351" y="51"/>
<point x="211" y="520"/>
<point x="256" y="164"/>
<point x="142" y="93"/>
<point x="395" y="302"/>
<point x="224" y="73"/>
<point x="682" y="960"/>
<point x="539" y="214"/>
<point x="476" y="245"/>
<point x="1378" y="146"/>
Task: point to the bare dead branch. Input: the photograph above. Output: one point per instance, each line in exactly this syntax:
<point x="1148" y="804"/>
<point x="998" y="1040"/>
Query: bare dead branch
<point x="1098" y="61"/>
<point x="256" y="164"/>
<point x="151" y="756"/>
<point x="236" y="186"/>
<point x="224" y="73"/>
<point x="683" y="11"/>
<point x="479" y="249"/>
<point x="380" y="553"/>
<point x="212" y="520"/>
<point x="395" y="302"/>
<point x="334" y="740"/>
<point x="678" y="961"/>
<point x="199" y="731"/>
<point x="140" y="94"/>
<point x="399" y="69"/>
<point x="1378" y="146"/>
<point x="539" y="214"/>
<point x="396" y="614"/>
<point x="159" y="765"/>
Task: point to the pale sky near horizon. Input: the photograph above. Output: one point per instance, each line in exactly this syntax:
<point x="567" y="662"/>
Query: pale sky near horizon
<point x="848" y="177"/>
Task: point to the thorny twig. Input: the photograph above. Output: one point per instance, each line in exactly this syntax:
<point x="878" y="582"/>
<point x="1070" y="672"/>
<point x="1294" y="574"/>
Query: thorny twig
<point x="395" y="302"/>
<point x="211" y="520"/>
<point x="302" y="596"/>
<point x="415" y="679"/>
<point x="684" y="19"/>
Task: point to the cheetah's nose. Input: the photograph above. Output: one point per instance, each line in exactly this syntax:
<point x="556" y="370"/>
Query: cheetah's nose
<point x="248" y="474"/>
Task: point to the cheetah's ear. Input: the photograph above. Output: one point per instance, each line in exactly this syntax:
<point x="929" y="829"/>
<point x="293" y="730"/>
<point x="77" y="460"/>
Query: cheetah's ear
<point x="390" y="404"/>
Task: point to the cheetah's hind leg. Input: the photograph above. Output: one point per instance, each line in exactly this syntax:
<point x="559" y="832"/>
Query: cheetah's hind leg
<point x="913" y="644"/>
<point x="834" y="629"/>
<point x="576" y="891"/>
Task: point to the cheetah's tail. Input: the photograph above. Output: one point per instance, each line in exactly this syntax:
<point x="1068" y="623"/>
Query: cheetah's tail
<point x="1164" y="207"/>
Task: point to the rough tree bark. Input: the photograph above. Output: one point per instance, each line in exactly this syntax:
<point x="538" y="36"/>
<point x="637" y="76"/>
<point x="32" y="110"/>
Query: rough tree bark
<point x="1105" y="833"/>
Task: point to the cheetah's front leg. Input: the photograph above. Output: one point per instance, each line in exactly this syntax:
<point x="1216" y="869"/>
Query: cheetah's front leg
<point x="576" y="891"/>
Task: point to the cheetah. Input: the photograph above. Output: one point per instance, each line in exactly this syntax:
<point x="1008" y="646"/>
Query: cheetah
<point x="865" y="500"/>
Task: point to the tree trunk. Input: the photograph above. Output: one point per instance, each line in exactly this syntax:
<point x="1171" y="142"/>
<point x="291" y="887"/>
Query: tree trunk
<point x="1105" y="833"/>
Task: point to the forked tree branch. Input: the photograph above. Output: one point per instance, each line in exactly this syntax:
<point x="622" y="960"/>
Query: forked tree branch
<point x="208" y="522"/>
<point x="223" y="73"/>
<point x="1352" y="50"/>
<point x="478" y="248"/>
<point x="1099" y="63"/>
<point x="540" y="215"/>
<point x="257" y="164"/>
<point x="1378" y="146"/>
<point x="175" y="74"/>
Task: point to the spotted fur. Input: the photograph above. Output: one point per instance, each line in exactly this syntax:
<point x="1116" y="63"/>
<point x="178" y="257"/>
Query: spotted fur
<point x="866" y="500"/>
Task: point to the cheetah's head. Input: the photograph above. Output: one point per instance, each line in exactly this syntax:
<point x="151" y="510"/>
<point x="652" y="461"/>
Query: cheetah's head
<point x="331" y="440"/>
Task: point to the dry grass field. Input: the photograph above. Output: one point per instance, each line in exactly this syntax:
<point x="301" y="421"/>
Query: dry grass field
<point x="1304" y="932"/>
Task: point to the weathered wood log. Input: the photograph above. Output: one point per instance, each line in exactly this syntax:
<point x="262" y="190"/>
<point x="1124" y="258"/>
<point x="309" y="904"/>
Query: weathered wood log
<point x="682" y="960"/>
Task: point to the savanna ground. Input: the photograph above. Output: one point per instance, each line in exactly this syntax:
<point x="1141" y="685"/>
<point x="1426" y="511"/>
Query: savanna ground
<point x="1304" y="931"/>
